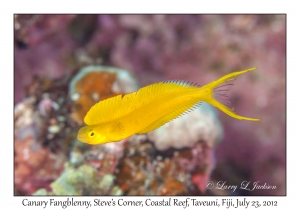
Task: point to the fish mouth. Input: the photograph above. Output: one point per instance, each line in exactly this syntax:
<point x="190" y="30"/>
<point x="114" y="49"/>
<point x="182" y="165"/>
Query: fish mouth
<point x="81" y="136"/>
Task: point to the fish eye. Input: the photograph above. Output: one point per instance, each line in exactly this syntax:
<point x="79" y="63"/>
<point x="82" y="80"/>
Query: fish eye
<point x="91" y="134"/>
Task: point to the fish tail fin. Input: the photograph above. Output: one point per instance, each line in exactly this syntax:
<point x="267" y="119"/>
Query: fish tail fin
<point x="218" y="90"/>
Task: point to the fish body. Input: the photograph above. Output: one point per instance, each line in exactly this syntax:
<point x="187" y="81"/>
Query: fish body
<point x="150" y="107"/>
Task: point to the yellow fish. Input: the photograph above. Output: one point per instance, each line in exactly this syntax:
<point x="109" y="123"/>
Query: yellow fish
<point x="119" y="117"/>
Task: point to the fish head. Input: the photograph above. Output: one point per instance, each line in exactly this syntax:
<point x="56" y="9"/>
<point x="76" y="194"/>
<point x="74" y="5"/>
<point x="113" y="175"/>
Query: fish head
<point x="92" y="135"/>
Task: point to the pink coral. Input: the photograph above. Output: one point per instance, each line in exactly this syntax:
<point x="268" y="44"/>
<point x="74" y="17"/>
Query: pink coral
<point x="35" y="167"/>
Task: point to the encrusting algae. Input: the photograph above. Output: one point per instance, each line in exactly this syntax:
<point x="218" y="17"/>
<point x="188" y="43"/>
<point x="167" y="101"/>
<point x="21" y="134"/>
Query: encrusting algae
<point x="150" y="107"/>
<point x="91" y="87"/>
<point x="95" y="83"/>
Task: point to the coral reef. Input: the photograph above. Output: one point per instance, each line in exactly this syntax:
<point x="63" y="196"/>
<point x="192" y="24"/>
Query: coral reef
<point x="26" y="122"/>
<point x="45" y="113"/>
<point x="143" y="170"/>
<point x="35" y="166"/>
<point x="134" y="166"/>
<point x="51" y="49"/>
<point x="44" y="119"/>
<point x="82" y="181"/>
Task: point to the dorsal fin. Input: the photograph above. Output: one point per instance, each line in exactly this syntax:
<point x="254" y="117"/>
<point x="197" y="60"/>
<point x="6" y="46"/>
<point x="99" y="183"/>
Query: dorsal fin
<point x="115" y="107"/>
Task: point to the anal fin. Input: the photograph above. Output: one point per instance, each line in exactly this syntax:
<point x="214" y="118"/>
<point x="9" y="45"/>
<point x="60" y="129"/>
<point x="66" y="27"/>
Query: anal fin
<point x="177" y="113"/>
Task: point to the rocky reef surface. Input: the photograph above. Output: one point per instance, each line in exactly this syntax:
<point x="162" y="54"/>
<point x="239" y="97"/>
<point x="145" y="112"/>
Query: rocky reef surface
<point x="177" y="159"/>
